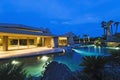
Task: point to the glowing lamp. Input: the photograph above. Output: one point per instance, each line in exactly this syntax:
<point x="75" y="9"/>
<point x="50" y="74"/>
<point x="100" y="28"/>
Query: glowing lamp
<point x="15" y="62"/>
<point x="44" y="58"/>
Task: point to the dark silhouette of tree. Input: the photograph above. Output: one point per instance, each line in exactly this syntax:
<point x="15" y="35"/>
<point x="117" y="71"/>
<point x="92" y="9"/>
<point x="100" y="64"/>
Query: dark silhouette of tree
<point x="93" y="66"/>
<point x="11" y="71"/>
<point x="109" y="28"/>
<point x="116" y="24"/>
<point x="103" y="25"/>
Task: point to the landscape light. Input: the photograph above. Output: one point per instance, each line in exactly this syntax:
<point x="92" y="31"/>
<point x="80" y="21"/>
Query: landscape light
<point x="15" y="62"/>
<point x="44" y="58"/>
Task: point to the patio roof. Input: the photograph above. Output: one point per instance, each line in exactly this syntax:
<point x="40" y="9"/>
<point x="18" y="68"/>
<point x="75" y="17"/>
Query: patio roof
<point x="22" y="29"/>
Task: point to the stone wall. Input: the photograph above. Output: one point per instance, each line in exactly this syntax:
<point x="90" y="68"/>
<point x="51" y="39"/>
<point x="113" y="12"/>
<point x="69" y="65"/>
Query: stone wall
<point x="58" y="71"/>
<point x="113" y="44"/>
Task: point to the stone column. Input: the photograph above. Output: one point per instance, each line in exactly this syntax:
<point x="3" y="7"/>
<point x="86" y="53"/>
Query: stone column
<point x="28" y="42"/>
<point x="43" y="41"/>
<point x="18" y="43"/>
<point x="5" y="43"/>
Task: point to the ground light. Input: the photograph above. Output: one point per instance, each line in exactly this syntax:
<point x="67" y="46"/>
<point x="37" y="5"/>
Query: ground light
<point x="15" y="62"/>
<point x="44" y="58"/>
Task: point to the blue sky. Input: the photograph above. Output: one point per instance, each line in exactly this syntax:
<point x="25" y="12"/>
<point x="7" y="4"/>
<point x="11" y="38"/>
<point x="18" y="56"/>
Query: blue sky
<point x="61" y="16"/>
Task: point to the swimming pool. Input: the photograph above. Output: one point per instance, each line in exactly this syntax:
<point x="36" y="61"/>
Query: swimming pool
<point x="36" y="65"/>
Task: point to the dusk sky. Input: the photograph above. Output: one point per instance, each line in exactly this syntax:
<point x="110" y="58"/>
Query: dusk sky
<point x="61" y="16"/>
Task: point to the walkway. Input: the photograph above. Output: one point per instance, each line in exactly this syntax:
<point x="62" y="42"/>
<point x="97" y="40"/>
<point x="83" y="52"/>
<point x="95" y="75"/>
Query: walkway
<point x="28" y="52"/>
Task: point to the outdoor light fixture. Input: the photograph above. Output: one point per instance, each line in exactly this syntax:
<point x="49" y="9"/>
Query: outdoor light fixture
<point x="15" y="62"/>
<point x="44" y="58"/>
<point x="38" y="58"/>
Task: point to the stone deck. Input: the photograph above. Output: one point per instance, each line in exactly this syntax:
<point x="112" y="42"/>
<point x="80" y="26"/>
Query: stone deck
<point x="29" y="52"/>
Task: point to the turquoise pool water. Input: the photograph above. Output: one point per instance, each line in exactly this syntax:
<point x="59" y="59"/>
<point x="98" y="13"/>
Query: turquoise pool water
<point x="92" y="50"/>
<point x="36" y="65"/>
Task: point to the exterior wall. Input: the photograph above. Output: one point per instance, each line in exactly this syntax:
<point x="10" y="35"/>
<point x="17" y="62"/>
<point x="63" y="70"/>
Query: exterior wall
<point x="39" y="42"/>
<point x="15" y="41"/>
<point x="52" y="42"/>
<point x="113" y="44"/>
<point x="5" y="43"/>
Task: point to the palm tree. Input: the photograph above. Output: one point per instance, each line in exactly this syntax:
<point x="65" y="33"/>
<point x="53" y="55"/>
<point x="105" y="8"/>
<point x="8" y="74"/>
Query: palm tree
<point x="10" y="71"/>
<point x="116" y="25"/>
<point x="103" y="25"/>
<point x="109" y="28"/>
<point x="93" y="65"/>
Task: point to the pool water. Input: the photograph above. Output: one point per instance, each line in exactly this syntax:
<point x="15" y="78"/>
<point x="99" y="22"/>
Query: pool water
<point x="36" y="65"/>
<point x="92" y="50"/>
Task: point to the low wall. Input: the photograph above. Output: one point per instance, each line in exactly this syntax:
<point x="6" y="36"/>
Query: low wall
<point x="113" y="44"/>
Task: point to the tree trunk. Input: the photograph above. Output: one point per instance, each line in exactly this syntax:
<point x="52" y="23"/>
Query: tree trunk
<point x="111" y="30"/>
<point x="116" y="29"/>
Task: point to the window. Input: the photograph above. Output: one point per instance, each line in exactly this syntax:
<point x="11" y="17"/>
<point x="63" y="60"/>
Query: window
<point x="13" y="42"/>
<point x="23" y="42"/>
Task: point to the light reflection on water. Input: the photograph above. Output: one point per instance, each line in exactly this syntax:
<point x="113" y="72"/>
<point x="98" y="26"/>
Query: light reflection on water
<point x="92" y="51"/>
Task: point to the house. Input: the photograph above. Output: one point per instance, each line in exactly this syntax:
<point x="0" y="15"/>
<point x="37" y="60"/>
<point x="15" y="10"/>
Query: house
<point x="18" y="36"/>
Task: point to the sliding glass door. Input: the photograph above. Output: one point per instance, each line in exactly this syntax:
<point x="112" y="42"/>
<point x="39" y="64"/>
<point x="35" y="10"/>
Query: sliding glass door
<point x="21" y="43"/>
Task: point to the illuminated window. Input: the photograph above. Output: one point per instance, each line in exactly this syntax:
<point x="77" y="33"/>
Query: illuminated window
<point x="14" y="42"/>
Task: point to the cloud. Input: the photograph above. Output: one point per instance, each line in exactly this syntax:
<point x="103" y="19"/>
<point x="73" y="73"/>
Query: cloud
<point x="83" y="20"/>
